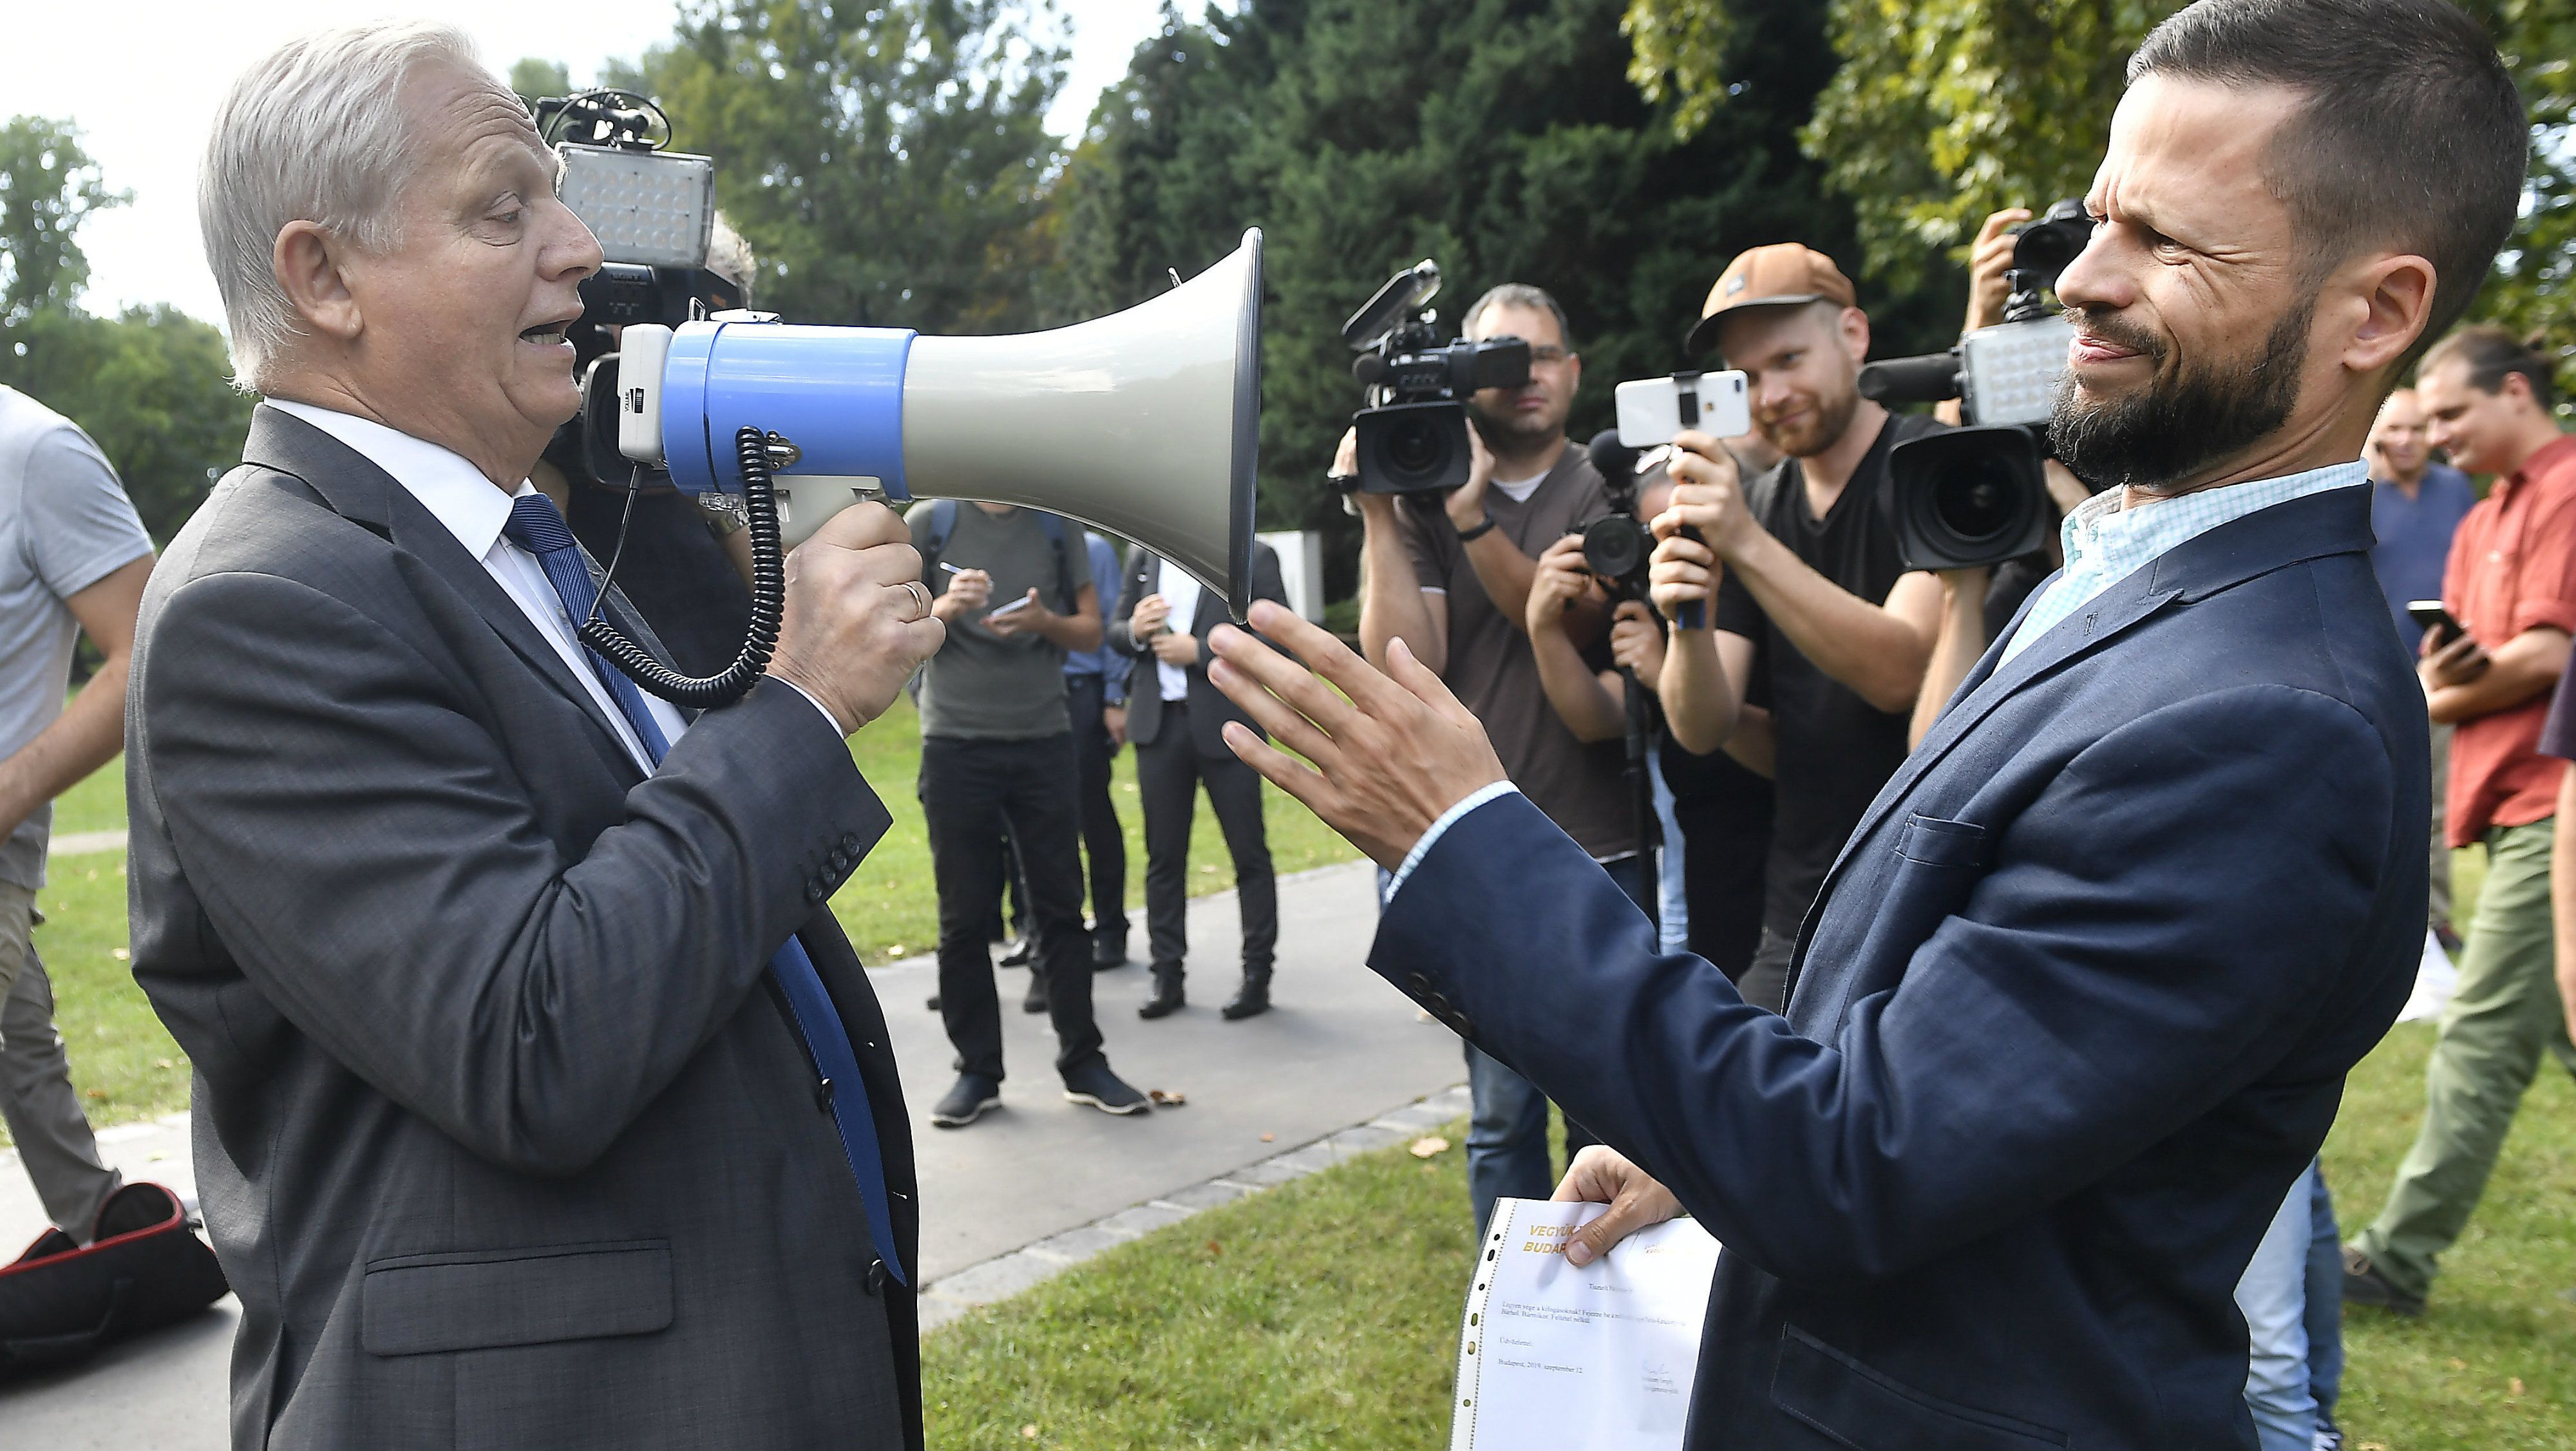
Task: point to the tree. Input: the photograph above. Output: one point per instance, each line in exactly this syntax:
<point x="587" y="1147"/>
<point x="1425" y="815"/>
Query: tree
<point x="48" y="187"/>
<point x="535" y="79"/>
<point x="887" y="161"/>
<point x="1500" y="137"/>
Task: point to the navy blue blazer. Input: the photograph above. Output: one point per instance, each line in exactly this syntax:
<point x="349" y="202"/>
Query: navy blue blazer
<point x="2073" y="1009"/>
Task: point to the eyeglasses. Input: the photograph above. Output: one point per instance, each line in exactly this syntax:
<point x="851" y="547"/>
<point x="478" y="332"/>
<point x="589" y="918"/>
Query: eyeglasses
<point x="1550" y="354"/>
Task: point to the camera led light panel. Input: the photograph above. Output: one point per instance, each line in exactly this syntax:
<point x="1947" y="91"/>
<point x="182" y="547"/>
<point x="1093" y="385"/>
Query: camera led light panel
<point x="652" y="208"/>
<point x="2012" y="369"/>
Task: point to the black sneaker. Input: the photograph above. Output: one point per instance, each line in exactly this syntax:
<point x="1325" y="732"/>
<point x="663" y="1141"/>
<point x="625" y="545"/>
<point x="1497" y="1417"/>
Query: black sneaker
<point x="1099" y="1088"/>
<point x="972" y="1098"/>
<point x="1108" y="949"/>
<point x="2363" y="1284"/>
<point x="1021" y="951"/>
<point x="1036" y="1001"/>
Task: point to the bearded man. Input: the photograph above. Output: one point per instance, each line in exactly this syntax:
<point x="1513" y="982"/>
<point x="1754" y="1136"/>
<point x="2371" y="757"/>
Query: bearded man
<point x="2075" y="1003"/>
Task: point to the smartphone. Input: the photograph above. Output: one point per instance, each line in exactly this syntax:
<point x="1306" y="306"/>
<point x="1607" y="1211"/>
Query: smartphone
<point x="2432" y="616"/>
<point x="1014" y="607"/>
<point x="1652" y="410"/>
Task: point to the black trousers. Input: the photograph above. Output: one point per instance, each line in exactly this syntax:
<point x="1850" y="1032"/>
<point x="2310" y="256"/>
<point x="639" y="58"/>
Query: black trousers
<point x="970" y="791"/>
<point x="1104" y="842"/>
<point x="1726" y="842"/>
<point x="1169" y="774"/>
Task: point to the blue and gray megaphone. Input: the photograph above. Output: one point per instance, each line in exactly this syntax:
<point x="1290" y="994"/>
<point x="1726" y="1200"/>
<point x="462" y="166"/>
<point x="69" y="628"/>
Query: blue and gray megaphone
<point x="1143" y="423"/>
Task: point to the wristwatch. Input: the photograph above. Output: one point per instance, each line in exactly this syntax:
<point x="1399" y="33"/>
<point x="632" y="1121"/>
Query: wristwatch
<point x="1469" y="536"/>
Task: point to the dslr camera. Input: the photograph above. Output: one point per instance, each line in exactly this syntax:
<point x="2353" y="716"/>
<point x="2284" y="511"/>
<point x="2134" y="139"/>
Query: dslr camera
<point x="653" y="211"/>
<point x="1976" y="495"/>
<point x="1412" y="433"/>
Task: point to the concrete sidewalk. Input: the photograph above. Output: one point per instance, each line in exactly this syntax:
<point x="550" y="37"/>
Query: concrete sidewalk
<point x="1340" y="1050"/>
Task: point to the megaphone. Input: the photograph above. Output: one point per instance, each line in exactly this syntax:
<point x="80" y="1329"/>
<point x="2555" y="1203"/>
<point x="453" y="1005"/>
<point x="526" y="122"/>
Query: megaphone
<point x="1144" y="423"/>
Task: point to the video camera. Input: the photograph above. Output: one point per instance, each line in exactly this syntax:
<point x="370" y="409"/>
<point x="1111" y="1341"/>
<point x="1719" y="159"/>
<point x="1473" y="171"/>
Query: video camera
<point x="1977" y="495"/>
<point x="653" y="211"/>
<point x="1412" y="435"/>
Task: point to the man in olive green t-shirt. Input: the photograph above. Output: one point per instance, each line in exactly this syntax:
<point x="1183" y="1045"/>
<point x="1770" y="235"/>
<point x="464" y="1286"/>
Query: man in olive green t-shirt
<point x="997" y="752"/>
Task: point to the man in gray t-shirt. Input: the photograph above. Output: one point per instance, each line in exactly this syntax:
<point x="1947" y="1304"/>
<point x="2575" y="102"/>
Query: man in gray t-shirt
<point x="73" y="558"/>
<point x="997" y="753"/>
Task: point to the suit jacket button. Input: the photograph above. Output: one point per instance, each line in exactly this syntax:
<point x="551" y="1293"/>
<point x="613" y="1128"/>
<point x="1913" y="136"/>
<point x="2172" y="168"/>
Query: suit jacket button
<point x="814" y="891"/>
<point x="1438" y="1003"/>
<point x="1418" y="985"/>
<point x="1464" y="1025"/>
<point x="849" y="841"/>
<point x="823" y="1095"/>
<point x="876" y="1277"/>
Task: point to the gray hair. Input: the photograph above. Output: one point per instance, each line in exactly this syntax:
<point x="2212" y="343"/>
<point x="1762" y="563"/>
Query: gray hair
<point x="1523" y="295"/>
<point x="730" y="257"/>
<point x="315" y="131"/>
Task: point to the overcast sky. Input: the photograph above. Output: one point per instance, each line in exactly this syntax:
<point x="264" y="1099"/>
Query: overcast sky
<point x="149" y="72"/>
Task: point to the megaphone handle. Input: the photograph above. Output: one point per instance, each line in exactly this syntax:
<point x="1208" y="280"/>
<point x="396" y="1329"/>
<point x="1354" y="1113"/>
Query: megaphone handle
<point x="1693" y="615"/>
<point x="768" y="604"/>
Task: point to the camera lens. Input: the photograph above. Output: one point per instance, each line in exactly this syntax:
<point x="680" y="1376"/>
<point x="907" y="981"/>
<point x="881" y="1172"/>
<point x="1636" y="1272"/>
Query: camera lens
<point x="1974" y="507"/>
<point x="1613" y="546"/>
<point x="1415" y="446"/>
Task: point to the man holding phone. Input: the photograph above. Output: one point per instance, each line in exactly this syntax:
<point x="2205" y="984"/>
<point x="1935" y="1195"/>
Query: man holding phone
<point x="997" y="750"/>
<point x="2511" y="587"/>
<point x="1813" y="610"/>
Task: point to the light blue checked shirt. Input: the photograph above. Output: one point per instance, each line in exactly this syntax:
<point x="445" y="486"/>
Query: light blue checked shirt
<point x="2106" y="543"/>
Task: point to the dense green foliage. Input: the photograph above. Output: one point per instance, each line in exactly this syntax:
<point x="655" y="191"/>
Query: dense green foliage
<point x="1502" y="138"/>
<point x="149" y="386"/>
<point x="887" y="161"/>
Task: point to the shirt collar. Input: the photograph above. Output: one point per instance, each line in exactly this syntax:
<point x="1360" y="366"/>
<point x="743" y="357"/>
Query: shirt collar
<point x="452" y="490"/>
<point x="2550" y="456"/>
<point x="2104" y="537"/>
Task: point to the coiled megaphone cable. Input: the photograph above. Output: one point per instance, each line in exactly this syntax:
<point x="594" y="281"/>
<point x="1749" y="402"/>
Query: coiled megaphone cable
<point x="768" y="600"/>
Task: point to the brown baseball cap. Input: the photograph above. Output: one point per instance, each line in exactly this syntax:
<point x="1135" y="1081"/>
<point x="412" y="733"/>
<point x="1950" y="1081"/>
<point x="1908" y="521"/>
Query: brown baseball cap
<point x="1783" y="274"/>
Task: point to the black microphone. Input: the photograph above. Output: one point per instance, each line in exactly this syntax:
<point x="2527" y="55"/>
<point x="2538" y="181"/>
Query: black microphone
<point x="1611" y="459"/>
<point x="1926" y="378"/>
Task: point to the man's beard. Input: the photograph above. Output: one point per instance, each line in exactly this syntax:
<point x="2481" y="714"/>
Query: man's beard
<point x="2183" y="421"/>
<point x="1824" y="427"/>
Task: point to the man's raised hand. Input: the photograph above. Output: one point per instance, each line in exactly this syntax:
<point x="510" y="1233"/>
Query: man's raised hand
<point x="855" y="629"/>
<point x="1391" y="752"/>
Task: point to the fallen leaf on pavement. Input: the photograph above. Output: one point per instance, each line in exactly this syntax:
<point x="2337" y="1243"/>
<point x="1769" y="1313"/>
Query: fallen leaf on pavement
<point x="1428" y="1145"/>
<point x="1163" y="1099"/>
<point x="1266" y="1138"/>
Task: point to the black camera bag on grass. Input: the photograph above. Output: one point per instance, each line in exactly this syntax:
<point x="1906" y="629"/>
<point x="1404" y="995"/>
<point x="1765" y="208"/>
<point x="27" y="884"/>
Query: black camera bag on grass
<point x="144" y="1268"/>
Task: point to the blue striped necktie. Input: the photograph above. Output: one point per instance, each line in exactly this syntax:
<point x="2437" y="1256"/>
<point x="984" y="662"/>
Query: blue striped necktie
<point x="537" y="527"/>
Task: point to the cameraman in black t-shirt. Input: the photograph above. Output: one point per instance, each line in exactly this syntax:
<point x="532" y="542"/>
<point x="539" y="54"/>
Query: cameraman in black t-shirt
<point x="1812" y="608"/>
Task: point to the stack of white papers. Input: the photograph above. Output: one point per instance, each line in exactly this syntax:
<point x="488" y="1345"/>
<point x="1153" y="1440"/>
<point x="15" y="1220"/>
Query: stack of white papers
<point x="1552" y="1357"/>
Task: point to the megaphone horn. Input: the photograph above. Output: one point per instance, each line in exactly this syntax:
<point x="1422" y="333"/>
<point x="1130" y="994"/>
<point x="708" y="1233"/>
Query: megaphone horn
<point x="1144" y="423"/>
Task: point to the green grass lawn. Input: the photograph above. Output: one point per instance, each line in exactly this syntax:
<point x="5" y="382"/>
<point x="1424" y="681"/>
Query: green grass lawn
<point x="1325" y="1313"/>
<point x="126" y="1067"/>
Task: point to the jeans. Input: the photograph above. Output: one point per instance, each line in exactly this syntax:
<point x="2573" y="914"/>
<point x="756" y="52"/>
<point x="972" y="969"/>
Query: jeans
<point x="2294" y="1325"/>
<point x="1104" y="845"/>
<point x="969" y="791"/>
<point x="1672" y="889"/>
<point x="1507" y="1127"/>
<point x="2502" y="1018"/>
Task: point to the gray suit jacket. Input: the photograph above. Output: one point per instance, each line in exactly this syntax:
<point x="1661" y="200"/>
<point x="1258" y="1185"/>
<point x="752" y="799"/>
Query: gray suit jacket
<point x="503" y="1138"/>
<point x="1209" y="708"/>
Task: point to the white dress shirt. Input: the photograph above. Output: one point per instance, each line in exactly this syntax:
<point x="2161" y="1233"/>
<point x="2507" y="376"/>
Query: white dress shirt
<point x="1181" y="591"/>
<point x="458" y="496"/>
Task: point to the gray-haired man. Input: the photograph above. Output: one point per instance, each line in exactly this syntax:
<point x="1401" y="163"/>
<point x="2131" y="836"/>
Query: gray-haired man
<point x="539" y="1099"/>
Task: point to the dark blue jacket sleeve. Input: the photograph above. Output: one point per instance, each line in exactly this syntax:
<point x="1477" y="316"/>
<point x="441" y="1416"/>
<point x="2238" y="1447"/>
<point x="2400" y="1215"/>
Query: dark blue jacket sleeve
<point x="2146" y="938"/>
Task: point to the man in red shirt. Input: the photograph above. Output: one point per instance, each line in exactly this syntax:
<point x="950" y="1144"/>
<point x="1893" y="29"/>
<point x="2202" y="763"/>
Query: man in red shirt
<point x="2511" y="582"/>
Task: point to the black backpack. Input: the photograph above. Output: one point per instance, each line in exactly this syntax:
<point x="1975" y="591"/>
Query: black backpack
<point x="943" y="522"/>
<point x="144" y="1268"/>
